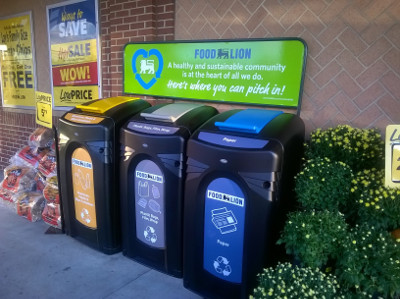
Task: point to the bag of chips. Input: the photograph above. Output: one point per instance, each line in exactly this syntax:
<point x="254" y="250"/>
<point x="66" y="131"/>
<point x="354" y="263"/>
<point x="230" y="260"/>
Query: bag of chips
<point x="18" y="178"/>
<point x="41" y="137"/>
<point x="50" y="193"/>
<point x="29" y="156"/>
<point x="48" y="164"/>
<point x="29" y="205"/>
<point x="52" y="215"/>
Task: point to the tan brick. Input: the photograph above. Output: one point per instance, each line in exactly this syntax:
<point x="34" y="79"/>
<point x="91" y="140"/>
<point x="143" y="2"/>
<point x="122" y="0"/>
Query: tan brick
<point x="376" y="8"/>
<point x="392" y="82"/>
<point x="374" y="52"/>
<point x="345" y="105"/>
<point x="372" y="74"/>
<point x="370" y="95"/>
<point x="392" y="58"/>
<point x="352" y="41"/>
<point x="348" y="85"/>
<point x="364" y="119"/>
<point x="391" y="107"/>
<point x="328" y="73"/>
<point x="350" y="63"/>
<point x="329" y="53"/>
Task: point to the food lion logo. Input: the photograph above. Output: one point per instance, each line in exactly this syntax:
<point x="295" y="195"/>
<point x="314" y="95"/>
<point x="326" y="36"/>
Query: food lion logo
<point x="147" y="75"/>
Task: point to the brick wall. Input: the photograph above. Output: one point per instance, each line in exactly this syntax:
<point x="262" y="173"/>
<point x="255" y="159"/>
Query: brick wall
<point x="130" y="21"/>
<point x="353" y="69"/>
<point x="14" y="132"/>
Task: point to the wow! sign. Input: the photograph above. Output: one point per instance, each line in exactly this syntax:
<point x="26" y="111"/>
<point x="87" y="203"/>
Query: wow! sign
<point x="262" y="72"/>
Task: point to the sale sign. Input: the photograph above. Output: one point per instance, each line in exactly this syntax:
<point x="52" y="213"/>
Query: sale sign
<point x="73" y="36"/>
<point x="16" y="62"/>
<point x="262" y="72"/>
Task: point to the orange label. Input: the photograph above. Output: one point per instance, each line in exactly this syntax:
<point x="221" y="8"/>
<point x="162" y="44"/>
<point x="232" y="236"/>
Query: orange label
<point x="83" y="119"/>
<point x="82" y="182"/>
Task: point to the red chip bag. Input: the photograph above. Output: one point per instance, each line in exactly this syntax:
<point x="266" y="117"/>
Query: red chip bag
<point x="18" y="178"/>
<point x="48" y="164"/>
<point x="28" y="156"/>
<point x="51" y="215"/>
<point x="50" y="193"/>
<point x="29" y="205"/>
<point x="41" y="137"/>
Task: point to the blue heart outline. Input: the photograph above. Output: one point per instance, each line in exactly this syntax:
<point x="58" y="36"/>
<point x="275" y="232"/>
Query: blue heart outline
<point x="145" y="54"/>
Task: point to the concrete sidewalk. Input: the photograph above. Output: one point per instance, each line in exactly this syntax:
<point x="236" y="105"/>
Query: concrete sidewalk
<point x="37" y="264"/>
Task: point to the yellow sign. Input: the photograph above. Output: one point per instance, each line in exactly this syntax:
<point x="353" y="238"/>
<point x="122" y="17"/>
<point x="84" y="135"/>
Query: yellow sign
<point x="44" y="111"/>
<point x="82" y="183"/>
<point x="16" y="63"/>
<point x="74" y="52"/>
<point x="74" y="95"/>
<point x="392" y="156"/>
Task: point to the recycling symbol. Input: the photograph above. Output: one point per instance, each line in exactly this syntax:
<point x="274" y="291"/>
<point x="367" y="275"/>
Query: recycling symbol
<point x="221" y="265"/>
<point x="150" y="234"/>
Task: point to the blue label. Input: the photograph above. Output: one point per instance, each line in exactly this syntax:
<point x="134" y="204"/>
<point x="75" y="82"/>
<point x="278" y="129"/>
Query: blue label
<point x="224" y="217"/>
<point x="232" y="141"/>
<point x="149" y="204"/>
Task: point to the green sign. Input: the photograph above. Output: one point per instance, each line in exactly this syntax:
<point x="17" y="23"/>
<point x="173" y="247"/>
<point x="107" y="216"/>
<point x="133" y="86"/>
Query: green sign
<point x="262" y="72"/>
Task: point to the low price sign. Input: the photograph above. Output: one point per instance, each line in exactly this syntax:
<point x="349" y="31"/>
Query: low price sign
<point x="266" y="72"/>
<point x="44" y="112"/>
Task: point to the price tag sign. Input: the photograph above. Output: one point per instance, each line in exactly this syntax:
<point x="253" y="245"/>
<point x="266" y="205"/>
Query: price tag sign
<point x="44" y="111"/>
<point x="392" y="156"/>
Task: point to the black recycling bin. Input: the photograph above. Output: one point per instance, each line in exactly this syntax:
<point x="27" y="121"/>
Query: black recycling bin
<point x="152" y="181"/>
<point x="89" y="176"/>
<point x="239" y="186"/>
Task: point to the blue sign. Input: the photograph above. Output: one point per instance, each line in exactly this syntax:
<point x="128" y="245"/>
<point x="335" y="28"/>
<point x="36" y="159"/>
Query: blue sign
<point x="72" y="22"/>
<point x="224" y="217"/>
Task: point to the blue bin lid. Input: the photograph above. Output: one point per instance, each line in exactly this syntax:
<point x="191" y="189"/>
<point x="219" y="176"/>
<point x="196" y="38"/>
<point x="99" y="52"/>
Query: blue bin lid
<point x="249" y="121"/>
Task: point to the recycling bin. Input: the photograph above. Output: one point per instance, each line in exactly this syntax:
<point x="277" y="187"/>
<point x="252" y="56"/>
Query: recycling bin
<point x="152" y="180"/>
<point x="89" y="177"/>
<point x="239" y="187"/>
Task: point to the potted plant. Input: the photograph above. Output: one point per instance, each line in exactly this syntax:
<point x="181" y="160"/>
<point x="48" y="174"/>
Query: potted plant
<point x="369" y="263"/>
<point x="358" y="148"/>
<point x="323" y="184"/>
<point x="290" y="281"/>
<point x="314" y="237"/>
<point x="380" y="207"/>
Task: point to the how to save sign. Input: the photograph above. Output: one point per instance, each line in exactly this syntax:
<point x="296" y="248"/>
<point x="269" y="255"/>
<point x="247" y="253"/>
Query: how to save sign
<point x="262" y="72"/>
<point x="73" y="33"/>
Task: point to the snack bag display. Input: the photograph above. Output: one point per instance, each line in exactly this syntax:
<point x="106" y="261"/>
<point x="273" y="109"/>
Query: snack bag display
<point x="29" y="205"/>
<point x="18" y="178"/>
<point x="41" y="137"/>
<point x="29" y="156"/>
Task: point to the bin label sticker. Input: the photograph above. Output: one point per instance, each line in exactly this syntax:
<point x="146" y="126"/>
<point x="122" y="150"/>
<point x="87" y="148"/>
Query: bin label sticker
<point x="224" y="217"/>
<point x="149" y="204"/>
<point x="83" y="119"/>
<point x="152" y="129"/>
<point x="83" y="188"/>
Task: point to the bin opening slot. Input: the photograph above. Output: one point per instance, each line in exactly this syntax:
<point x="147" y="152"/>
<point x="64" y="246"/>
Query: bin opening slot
<point x="103" y="105"/>
<point x="170" y="113"/>
<point x="248" y="121"/>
